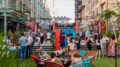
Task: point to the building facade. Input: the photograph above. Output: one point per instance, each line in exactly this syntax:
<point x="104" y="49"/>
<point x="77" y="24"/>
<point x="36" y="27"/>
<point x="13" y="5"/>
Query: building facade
<point x="93" y="9"/>
<point x="78" y="9"/>
<point x="25" y="10"/>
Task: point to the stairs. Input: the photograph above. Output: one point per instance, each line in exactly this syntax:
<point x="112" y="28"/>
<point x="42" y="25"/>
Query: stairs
<point x="46" y="48"/>
<point x="84" y="47"/>
<point x="63" y="28"/>
<point x="50" y="48"/>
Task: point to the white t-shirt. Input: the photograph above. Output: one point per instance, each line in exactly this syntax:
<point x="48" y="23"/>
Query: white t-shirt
<point x="30" y="40"/>
<point x="97" y="43"/>
<point x="83" y="42"/>
<point x="72" y="45"/>
<point x="37" y="43"/>
<point x="80" y="33"/>
<point x="41" y="34"/>
<point x="77" y="60"/>
<point x="106" y="38"/>
<point x="48" y="35"/>
<point x="68" y="40"/>
<point x="38" y="38"/>
<point x="103" y="40"/>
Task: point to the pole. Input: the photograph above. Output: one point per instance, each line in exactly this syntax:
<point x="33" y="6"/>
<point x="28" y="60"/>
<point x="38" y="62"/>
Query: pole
<point x="5" y="25"/>
<point x="17" y="57"/>
<point x="115" y="55"/>
<point x="117" y="42"/>
<point x="107" y="26"/>
<point x="53" y="7"/>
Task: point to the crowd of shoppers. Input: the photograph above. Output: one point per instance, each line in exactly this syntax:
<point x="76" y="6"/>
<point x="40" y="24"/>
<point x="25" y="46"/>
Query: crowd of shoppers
<point x="30" y="38"/>
<point x="26" y="40"/>
<point x="100" y="43"/>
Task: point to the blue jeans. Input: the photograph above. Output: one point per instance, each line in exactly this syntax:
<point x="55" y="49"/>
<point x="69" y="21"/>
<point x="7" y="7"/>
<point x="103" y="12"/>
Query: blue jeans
<point x="23" y="51"/>
<point x="29" y="50"/>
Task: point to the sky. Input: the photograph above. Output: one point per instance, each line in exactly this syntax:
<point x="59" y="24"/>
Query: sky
<point x="65" y="8"/>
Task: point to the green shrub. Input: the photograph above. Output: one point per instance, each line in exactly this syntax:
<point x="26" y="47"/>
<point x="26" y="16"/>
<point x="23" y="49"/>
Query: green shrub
<point x="109" y="34"/>
<point x="1" y="38"/>
<point x="53" y="40"/>
<point x="7" y="58"/>
<point x="117" y="34"/>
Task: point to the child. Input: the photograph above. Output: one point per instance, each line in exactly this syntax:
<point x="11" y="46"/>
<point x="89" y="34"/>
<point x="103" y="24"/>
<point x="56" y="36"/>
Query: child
<point x="76" y="59"/>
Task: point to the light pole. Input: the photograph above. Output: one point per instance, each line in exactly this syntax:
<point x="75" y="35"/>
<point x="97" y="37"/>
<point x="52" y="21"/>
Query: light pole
<point x="5" y="7"/>
<point x="53" y="8"/>
<point x="5" y="25"/>
<point x="118" y="2"/>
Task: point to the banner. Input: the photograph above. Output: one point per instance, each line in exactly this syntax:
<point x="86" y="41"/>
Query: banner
<point x="32" y="25"/>
<point x="54" y="25"/>
<point x="76" y="26"/>
<point x="102" y="26"/>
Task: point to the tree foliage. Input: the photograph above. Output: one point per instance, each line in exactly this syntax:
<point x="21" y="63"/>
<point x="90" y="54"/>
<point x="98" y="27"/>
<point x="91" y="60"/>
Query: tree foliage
<point x="7" y="58"/>
<point x="107" y="14"/>
<point x="118" y="18"/>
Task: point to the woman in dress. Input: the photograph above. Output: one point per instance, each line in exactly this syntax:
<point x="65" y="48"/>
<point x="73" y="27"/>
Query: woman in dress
<point x="111" y="47"/>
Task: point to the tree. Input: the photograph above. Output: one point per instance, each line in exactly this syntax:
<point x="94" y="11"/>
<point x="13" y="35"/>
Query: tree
<point x="118" y="21"/>
<point x="118" y="18"/>
<point x="107" y="15"/>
